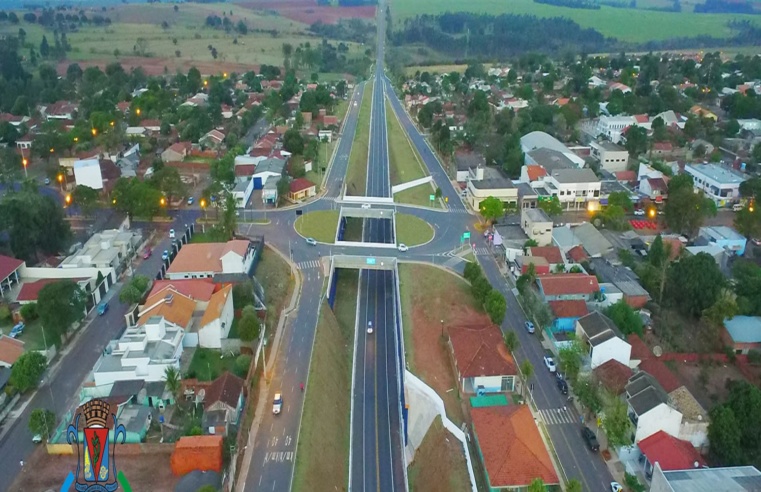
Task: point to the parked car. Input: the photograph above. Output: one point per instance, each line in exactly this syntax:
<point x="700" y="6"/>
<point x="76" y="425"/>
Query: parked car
<point x="147" y="254"/>
<point x="530" y="327"/>
<point x="563" y="386"/>
<point x="47" y="181"/>
<point x="311" y="241"/>
<point x="165" y="255"/>
<point x="756" y="241"/>
<point x="590" y="438"/>
<point x="639" y="212"/>
<point x="171" y="234"/>
<point x="37" y="439"/>
<point x="17" y="330"/>
<point x="191" y="200"/>
<point x="102" y="308"/>
<point x="403" y="248"/>
<point x="549" y="362"/>
<point x="616" y="487"/>
<point x="277" y="404"/>
<point x="370" y="327"/>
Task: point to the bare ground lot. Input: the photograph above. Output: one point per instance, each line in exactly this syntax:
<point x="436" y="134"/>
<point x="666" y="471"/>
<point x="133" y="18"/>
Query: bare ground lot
<point x="439" y="464"/>
<point x="308" y="12"/>
<point x="144" y="472"/>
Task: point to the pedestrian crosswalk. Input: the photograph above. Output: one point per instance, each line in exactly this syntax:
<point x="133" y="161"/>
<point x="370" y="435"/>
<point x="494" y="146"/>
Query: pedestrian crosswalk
<point x="457" y="210"/>
<point x="556" y="416"/>
<point x="305" y="265"/>
<point x="483" y="251"/>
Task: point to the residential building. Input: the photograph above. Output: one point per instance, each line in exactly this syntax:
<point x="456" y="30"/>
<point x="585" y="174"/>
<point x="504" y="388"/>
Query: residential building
<point x="720" y="184"/>
<point x="567" y="314"/>
<point x="465" y="161"/>
<point x="511" y="447"/>
<point x="751" y="125"/>
<point x="613" y="158"/>
<point x="59" y="110"/>
<point x="624" y="279"/>
<point x="175" y="309"/>
<point x="650" y="409"/>
<point x="223" y="403"/>
<point x="537" y="225"/>
<point x="300" y="189"/>
<point x="200" y="289"/>
<point x="209" y="259"/>
<point x="718" y="253"/>
<point x="585" y="235"/>
<point x="613" y="375"/>
<point x="111" y="248"/>
<point x="567" y="286"/>
<point x="217" y="319"/>
<point x="10" y="350"/>
<point x="176" y="152"/>
<point x="143" y="352"/>
<point x="725" y="237"/>
<point x="485" y="182"/>
<point x="242" y="192"/>
<point x="541" y="267"/>
<point x="656" y="189"/>
<point x="212" y="140"/>
<point x="603" y="338"/>
<point x="325" y="135"/>
<point x="743" y="333"/>
<point x="481" y="361"/>
<point x="574" y="187"/>
<point x="670" y="453"/>
<point x="552" y="254"/>
<point x="245" y="167"/>
<point x="731" y="479"/>
<point x="270" y="168"/>
<point x="269" y="192"/>
<point x="9" y="272"/>
<point x="613" y="127"/>
<point x="88" y="173"/>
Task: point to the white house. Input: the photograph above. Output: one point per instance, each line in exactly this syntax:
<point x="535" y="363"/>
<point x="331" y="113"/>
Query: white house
<point x="143" y="352"/>
<point x="595" y="81"/>
<point x="650" y="409"/>
<point x="107" y="249"/>
<point x="613" y="127"/>
<point x="204" y="260"/>
<point x="612" y="157"/>
<point x="720" y="184"/>
<point x="87" y="173"/>
<point x="242" y="193"/>
<point x="751" y="125"/>
<point x="574" y="187"/>
<point x="604" y="339"/>
<point x="217" y="319"/>
<point x="481" y="361"/>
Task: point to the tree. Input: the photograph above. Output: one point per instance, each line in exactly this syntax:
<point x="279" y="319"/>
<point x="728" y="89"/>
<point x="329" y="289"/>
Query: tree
<point x="747" y="285"/>
<point x="27" y="371"/>
<point x="248" y="326"/>
<point x="694" y="283"/>
<point x="229" y="220"/>
<point x="527" y="369"/>
<point x="42" y="422"/>
<point x="685" y="209"/>
<point x="511" y="340"/>
<point x="551" y="207"/>
<point x="29" y="312"/>
<point x="85" y="198"/>
<point x="724" y="308"/>
<point x="537" y="485"/>
<point x="34" y="223"/>
<point x="293" y="142"/>
<point x="570" y="360"/>
<point x="573" y="486"/>
<point x="621" y="199"/>
<point x="588" y="394"/>
<point x="733" y="430"/>
<point x="625" y="318"/>
<point x="492" y="208"/>
<point x="169" y="182"/>
<point x="173" y="382"/>
<point x="496" y="307"/>
<point x="480" y="288"/>
<point x="636" y="141"/>
<point x="130" y="295"/>
<point x="747" y="222"/>
<point x="205" y="488"/>
<point x="60" y="304"/>
<point x="616" y="423"/>
<point x="44" y="47"/>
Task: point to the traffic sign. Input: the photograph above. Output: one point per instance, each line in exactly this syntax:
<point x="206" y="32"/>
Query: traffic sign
<point x="466" y="235"/>
<point x="370" y="261"/>
<point x="432" y="197"/>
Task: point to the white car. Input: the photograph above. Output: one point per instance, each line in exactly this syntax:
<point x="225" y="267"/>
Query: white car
<point x="171" y="234"/>
<point x="366" y="206"/>
<point x="639" y="212"/>
<point x="37" y="439"/>
<point x="370" y="327"/>
<point x="616" y="487"/>
<point x="311" y="241"/>
<point x="403" y="248"/>
<point x="550" y="363"/>
<point x="277" y="404"/>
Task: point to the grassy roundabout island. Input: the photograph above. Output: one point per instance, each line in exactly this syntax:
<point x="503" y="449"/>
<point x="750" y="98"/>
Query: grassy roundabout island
<point x="321" y="225"/>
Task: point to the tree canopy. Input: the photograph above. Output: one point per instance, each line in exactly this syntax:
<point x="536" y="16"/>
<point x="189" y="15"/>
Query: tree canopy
<point x="694" y="283"/>
<point x="492" y="208"/>
<point x="27" y="371"/>
<point x="60" y="304"/>
<point x="733" y="430"/>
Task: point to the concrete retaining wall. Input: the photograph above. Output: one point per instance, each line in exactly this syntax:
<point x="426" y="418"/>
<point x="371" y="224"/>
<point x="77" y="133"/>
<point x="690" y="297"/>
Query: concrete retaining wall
<point x="424" y="406"/>
<point x="367" y="199"/>
<point x="365" y="245"/>
<point x="411" y="184"/>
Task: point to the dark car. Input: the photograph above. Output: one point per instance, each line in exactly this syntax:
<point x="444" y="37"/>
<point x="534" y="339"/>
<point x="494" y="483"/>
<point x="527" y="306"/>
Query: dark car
<point x="591" y="439"/>
<point x="563" y="386"/>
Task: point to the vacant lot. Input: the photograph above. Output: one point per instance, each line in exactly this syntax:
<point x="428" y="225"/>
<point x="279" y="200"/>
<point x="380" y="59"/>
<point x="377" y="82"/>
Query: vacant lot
<point x="47" y="472"/>
<point x="609" y="21"/>
<point x="209" y="364"/>
<point x="433" y="299"/>
<point x="308" y="12"/>
<point x="439" y="464"/>
<point x="356" y="174"/>
<point x="274" y="273"/>
<point x="706" y="381"/>
<point x="323" y="448"/>
<point x="320" y="225"/>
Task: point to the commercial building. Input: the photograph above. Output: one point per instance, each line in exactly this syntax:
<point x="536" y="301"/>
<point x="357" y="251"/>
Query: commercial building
<point x="724" y="237"/>
<point x="720" y="184"/>
<point x="485" y="182"/>
<point x="731" y="479"/>
<point x="574" y="187"/>
<point x="537" y="225"/>
<point x="613" y="158"/>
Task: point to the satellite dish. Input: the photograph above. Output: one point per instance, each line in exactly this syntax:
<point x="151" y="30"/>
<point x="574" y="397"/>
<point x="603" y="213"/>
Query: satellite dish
<point x="657" y="351"/>
<point x="696" y="464"/>
<point x="200" y="395"/>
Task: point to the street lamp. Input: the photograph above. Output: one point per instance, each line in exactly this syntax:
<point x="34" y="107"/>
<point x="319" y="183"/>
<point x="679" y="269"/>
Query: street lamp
<point x="442" y="328"/>
<point x="137" y="111"/>
<point x="68" y="199"/>
<point x="60" y="181"/>
<point x="162" y="202"/>
<point x="25" y="162"/>
<point x="203" y="207"/>
<point x="94" y="132"/>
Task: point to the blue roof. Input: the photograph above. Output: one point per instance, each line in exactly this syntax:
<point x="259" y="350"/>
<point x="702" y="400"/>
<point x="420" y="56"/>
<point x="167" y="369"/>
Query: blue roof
<point x="744" y="329"/>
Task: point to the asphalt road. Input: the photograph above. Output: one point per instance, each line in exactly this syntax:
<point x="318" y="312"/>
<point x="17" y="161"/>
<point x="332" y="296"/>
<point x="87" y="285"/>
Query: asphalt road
<point x="62" y="391"/>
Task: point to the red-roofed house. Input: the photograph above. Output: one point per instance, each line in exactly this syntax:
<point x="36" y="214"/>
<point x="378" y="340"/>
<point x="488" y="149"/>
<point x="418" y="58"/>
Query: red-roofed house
<point x="613" y="375"/>
<point x="577" y="254"/>
<point x="60" y="110"/>
<point x="205" y="260"/>
<point x="300" y="189"/>
<point x="13" y="119"/>
<point x="552" y="254"/>
<point x="511" y="447"/>
<point x="212" y="140"/>
<point x="658" y="369"/>
<point x="31" y="290"/>
<point x="198" y="289"/>
<point x="533" y="173"/>
<point x="566" y="313"/>
<point x="329" y="120"/>
<point x="223" y="402"/>
<point x="481" y="359"/>
<point x="541" y="267"/>
<point x="655" y="188"/>
<point x="642" y="119"/>
<point x="626" y="176"/>
<point x="567" y="286"/>
<point x="670" y="453"/>
<point x="9" y="267"/>
<point x="176" y="152"/>
<point x="10" y="350"/>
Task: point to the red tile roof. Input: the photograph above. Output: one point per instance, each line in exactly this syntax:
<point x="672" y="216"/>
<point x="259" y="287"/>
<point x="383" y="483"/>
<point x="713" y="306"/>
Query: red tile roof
<point x="535" y="172"/>
<point x="577" y="254"/>
<point x="658" y="184"/>
<point x="627" y="176"/>
<point x="663" y="146"/>
<point x="8" y="265"/>
<point x="613" y="375"/>
<point x="640" y="351"/>
<point x="226" y="389"/>
<point x="671" y="453"/>
<point x="656" y="368"/>
<point x="568" y="283"/>
<point x="480" y="351"/>
<point x="569" y="309"/>
<point x="330" y="120"/>
<point x="199" y="289"/>
<point x="641" y="118"/>
<point x="511" y="446"/>
<point x="550" y="253"/>
<point x="10" y="349"/>
<point x="31" y="290"/>
<point x="300" y="184"/>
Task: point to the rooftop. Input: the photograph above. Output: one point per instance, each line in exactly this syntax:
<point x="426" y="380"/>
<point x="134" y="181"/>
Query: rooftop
<point x="493" y="180"/>
<point x="466" y="160"/>
<point x="721" y="233"/>
<point x="480" y="351"/>
<point x="645" y="393"/>
<point x="270" y="165"/>
<point x="198" y="289"/>
<point x="511" y="446"/>
<point x="716" y="173"/>
<point x="226" y="389"/>
<point x="216" y="305"/>
<point x="671" y="453"/>
<point x="206" y="257"/>
<point x="8" y="265"/>
<point x="551" y="253"/>
<point x="30" y="291"/>
<point x="568" y="283"/>
<point x="610" y="146"/>
<point x="170" y="305"/>
<point x="552" y="160"/>
<point x="536" y="215"/>
<point x="586" y="235"/>
<point x="542" y="140"/>
<point x="535" y="172"/>
<point x="660" y="371"/>
<point x="596" y="324"/>
<point x="571" y="176"/>
<point x="613" y="375"/>
<point x="731" y="479"/>
<point x="620" y="276"/>
<point x="10" y="349"/>
<point x="300" y="184"/>
<point x="569" y="309"/>
<point x="744" y="329"/>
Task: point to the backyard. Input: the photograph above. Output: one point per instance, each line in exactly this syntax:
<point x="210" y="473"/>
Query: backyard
<point x="323" y="445"/>
<point x="356" y="174"/>
<point x="439" y="464"/>
<point x="35" y="336"/>
<point x="208" y="364"/>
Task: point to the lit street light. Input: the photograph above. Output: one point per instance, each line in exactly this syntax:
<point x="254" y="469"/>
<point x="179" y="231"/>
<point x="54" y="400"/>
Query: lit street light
<point x="25" y="162"/>
<point x="60" y="181"/>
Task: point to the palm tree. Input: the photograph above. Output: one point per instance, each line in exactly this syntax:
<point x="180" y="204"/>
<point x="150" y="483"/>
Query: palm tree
<point x="173" y="382"/>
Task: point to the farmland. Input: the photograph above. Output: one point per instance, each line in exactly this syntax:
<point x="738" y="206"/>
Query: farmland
<point x="633" y="25"/>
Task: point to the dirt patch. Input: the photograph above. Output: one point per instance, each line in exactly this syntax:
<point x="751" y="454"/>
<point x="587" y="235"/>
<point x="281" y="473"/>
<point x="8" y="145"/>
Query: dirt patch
<point x="439" y="463"/>
<point x="155" y="66"/>
<point x="308" y="12"/>
<point x="706" y="381"/>
<point x="144" y="472"/>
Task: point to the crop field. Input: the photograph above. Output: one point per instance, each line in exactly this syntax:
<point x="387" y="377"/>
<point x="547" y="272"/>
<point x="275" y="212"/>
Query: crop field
<point x="634" y="25"/>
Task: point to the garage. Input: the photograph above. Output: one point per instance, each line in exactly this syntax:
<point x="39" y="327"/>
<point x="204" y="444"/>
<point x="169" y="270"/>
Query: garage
<point x="258" y="185"/>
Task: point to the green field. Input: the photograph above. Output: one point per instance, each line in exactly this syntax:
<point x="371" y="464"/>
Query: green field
<point x="356" y="174"/>
<point x="412" y="230"/>
<point x="320" y="225"/>
<point x="625" y="24"/>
